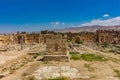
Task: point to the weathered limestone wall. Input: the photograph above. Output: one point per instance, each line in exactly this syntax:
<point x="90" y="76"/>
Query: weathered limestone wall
<point x="56" y="49"/>
<point x="100" y="36"/>
<point x="57" y="58"/>
<point x="108" y="36"/>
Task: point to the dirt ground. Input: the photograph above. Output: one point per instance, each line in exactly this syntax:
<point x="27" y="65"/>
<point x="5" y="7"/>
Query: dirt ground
<point x="95" y="70"/>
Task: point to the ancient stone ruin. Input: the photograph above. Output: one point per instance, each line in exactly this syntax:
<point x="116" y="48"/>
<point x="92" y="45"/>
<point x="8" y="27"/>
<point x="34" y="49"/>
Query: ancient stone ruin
<point x="56" y="49"/>
<point x="44" y="37"/>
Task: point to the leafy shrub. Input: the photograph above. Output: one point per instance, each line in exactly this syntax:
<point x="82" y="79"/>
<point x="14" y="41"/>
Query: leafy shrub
<point x="104" y="45"/>
<point x="79" y="42"/>
<point x="68" y="41"/>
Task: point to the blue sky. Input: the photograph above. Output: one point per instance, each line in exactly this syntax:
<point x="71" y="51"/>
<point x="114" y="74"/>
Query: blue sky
<point x="36" y="15"/>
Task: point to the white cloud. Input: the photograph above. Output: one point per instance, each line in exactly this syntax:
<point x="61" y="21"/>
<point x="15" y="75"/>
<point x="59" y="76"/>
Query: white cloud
<point x="57" y="23"/>
<point x="108" y="22"/>
<point x="106" y="15"/>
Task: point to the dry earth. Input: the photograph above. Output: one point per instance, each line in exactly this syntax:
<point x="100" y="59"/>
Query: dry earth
<point x="95" y="70"/>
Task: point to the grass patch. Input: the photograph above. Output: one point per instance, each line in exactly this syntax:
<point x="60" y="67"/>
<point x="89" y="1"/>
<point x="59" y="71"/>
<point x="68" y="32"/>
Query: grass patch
<point x="89" y="67"/>
<point x="59" y="78"/>
<point x="30" y="78"/>
<point x="46" y="62"/>
<point x="87" y="57"/>
<point x="92" y="57"/>
<point x="118" y="73"/>
<point x="75" y="55"/>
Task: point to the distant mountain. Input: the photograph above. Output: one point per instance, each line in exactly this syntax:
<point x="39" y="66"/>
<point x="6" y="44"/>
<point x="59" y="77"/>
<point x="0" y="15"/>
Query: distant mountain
<point x="88" y="29"/>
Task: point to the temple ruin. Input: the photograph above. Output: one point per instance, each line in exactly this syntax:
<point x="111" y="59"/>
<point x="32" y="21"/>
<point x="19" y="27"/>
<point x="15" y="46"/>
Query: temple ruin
<point x="56" y="49"/>
<point x="44" y="37"/>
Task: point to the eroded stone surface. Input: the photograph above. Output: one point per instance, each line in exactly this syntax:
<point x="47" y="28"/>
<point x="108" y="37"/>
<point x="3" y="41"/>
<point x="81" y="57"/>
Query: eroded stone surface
<point x="56" y="71"/>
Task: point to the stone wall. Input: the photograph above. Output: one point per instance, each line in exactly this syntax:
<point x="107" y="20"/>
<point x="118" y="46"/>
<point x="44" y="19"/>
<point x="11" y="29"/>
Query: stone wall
<point x="56" y="47"/>
<point x="100" y="36"/>
<point x="108" y="36"/>
<point x="57" y="58"/>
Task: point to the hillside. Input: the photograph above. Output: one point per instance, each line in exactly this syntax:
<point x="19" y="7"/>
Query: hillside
<point x="88" y="29"/>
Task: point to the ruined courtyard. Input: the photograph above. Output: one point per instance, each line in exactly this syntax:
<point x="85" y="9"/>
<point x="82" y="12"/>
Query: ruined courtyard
<point x="69" y="56"/>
